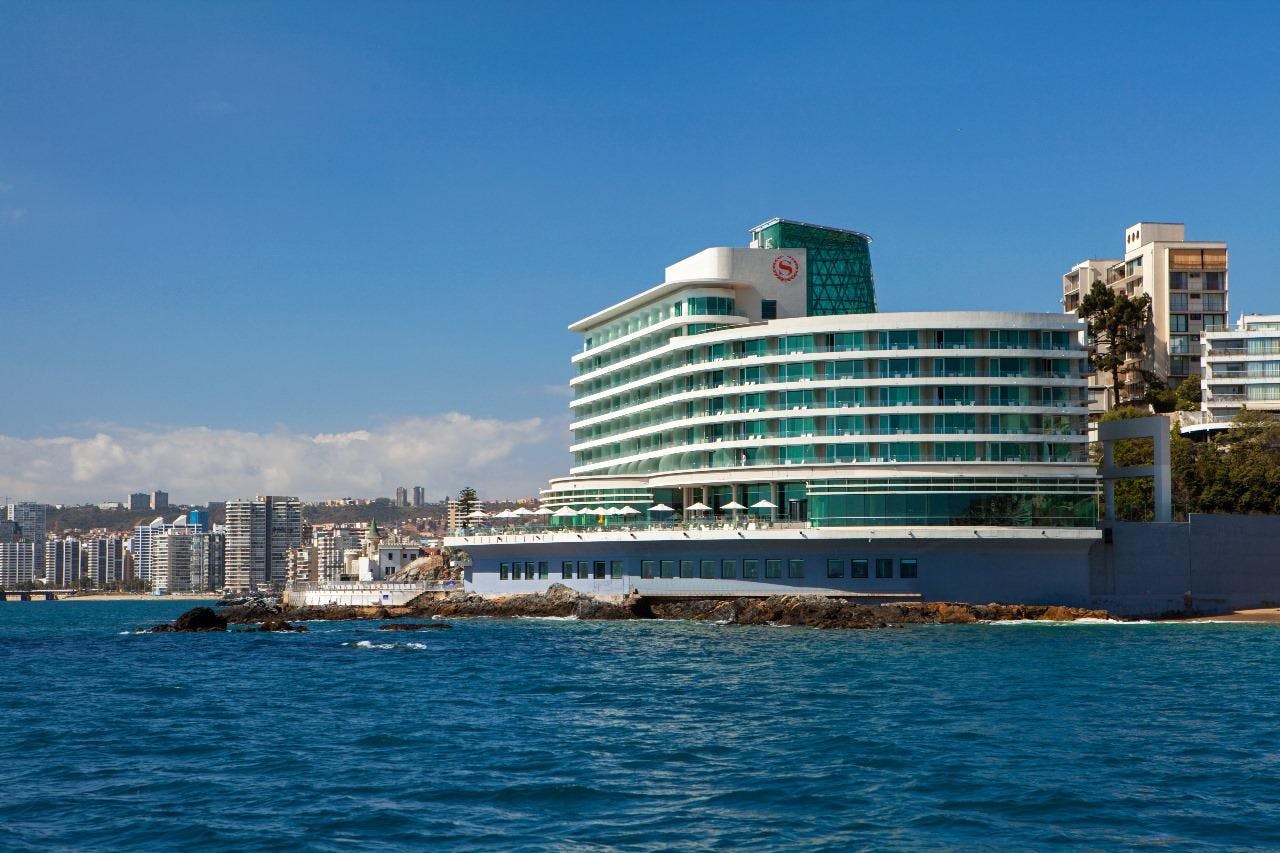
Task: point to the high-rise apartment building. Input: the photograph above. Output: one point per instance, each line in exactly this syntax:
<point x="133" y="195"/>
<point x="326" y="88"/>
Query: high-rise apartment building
<point x="138" y="501"/>
<point x="259" y="534"/>
<point x="402" y="496"/>
<point x="419" y="496"/>
<point x="31" y="519"/>
<point x="103" y="559"/>
<point x="1187" y="283"/>
<point x="17" y="563"/>
<point x="208" y="561"/>
<point x="62" y="562"/>
<point x="159" y="500"/>
<point x="171" y="561"/>
<point x="145" y="537"/>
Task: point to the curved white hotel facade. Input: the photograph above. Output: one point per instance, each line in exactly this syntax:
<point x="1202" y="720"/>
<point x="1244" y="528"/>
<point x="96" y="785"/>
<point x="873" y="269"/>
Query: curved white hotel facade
<point x="763" y="378"/>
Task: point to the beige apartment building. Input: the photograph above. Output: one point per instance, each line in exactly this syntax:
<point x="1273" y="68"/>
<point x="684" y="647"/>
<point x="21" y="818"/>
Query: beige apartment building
<point x="1187" y="283"/>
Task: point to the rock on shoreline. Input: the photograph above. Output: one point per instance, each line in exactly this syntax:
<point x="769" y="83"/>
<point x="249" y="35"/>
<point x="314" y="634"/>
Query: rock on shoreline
<point x="812" y="611"/>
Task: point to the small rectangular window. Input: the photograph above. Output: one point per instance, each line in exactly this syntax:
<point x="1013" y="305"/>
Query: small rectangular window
<point x="566" y="569"/>
<point x="528" y="570"/>
<point x="773" y="568"/>
<point x="751" y="568"/>
<point x="835" y="568"/>
<point x="795" y="568"/>
<point x="907" y="568"/>
<point x="584" y="570"/>
<point x="857" y="568"/>
<point x="646" y="570"/>
<point x="516" y="569"/>
<point x="504" y="569"/>
<point x="615" y="569"/>
<point x="598" y="570"/>
<point x="544" y="570"/>
<point x="668" y="568"/>
<point x="686" y="568"/>
<point x="884" y="567"/>
<point x="707" y="569"/>
<point x="728" y="569"/>
<point x="768" y="309"/>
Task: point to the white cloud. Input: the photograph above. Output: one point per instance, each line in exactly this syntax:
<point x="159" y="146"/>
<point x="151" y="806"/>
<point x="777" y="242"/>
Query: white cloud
<point x="195" y="464"/>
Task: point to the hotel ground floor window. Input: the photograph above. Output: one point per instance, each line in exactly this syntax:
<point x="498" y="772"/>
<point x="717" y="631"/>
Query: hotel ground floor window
<point x="773" y="568"/>
<point x="728" y="569"/>
<point x="707" y="569"/>
<point x="516" y="569"/>
<point x="857" y="568"/>
<point x="615" y="570"/>
<point x="544" y="570"/>
<point x="795" y="568"/>
<point x="503" y="570"/>
<point x="835" y="568"/>
<point x="598" y="569"/>
<point x="668" y="568"/>
<point x="686" y="568"/>
<point x="584" y="570"/>
<point x="646" y="570"/>
<point x="751" y="568"/>
<point x="884" y="567"/>
<point x="566" y="569"/>
<point x="907" y="569"/>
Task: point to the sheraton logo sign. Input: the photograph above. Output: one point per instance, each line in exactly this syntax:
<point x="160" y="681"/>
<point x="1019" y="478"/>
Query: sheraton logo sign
<point x="785" y="268"/>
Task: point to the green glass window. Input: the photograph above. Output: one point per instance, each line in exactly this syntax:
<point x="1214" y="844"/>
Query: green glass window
<point x="773" y="568"/>
<point x="529" y="568"/>
<point x="646" y="569"/>
<point x="884" y="567"/>
<point x="615" y="569"/>
<point x="686" y="568"/>
<point x="847" y="341"/>
<point x="768" y="309"/>
<point x="584" y="570"/>
<point x="797" y="343"/>
<point x="846" y="397"/>
<point x="907" y="568"/>
<point x="795" y="568"/>
<point x="755" y="346"/>
<point x="857" y="568"/>
<point x="728" y="569"/>
<point x="566" y="569"/>
<point x="707" y="569"/>
<point x="598" y="569"/>
<point x="835" y="568"/>
<point x="798" y="371"/>
<point x="750" y="568"/>
<point x="668" y="568"/>
<point x="504" y="569"/>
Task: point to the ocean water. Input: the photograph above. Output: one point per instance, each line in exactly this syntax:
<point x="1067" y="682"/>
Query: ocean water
<point x="534" y="734"/>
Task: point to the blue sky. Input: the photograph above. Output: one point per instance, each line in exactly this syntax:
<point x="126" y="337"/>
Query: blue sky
<point x="282" y="220"/>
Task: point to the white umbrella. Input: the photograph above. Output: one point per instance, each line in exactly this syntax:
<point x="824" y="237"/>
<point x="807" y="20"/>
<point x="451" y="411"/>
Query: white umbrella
<point x="520" y="510"/>
<point x="626" y="510"/>
<point x="698" y="507"/>
<point x="543" y="510"/>
<point x="564" y="512"/>
<point x="506" y="513"/>
<point x="660" y="508"/>
<point x="733" y="505"/>
<point x="612" y="511"/>
<point x="763" y="504"/>
<point x="599" y="511"/>
<point x="477" y="513"/>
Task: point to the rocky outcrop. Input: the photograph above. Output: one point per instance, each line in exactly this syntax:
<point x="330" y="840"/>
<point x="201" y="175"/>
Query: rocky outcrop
<point x="195" y="619"/>
<point x="414" y="626"/>
<point x="811" y="611"/>
<point x="275" y="623"/>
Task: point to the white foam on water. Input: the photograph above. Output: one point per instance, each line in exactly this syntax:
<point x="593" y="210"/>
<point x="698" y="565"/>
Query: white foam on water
<point x="570" y="618"/>
<point x="368" y="644"/>
<point x="1059" y="622"/>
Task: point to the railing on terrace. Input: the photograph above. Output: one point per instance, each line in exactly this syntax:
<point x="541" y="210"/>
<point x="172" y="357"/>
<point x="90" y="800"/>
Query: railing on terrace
<point x="383" y="586"/>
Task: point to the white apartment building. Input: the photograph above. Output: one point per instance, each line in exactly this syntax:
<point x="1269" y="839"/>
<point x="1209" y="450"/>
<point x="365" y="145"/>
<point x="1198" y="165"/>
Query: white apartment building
<point x="143" y="545"/>
<point x="1241" y="367"/>
<point x="103" y="559"/>
<point x="17" y="563"/>
<point x="62" y="562"/>
<point x="1188" y="285"/>
<point x="171" y="561"/>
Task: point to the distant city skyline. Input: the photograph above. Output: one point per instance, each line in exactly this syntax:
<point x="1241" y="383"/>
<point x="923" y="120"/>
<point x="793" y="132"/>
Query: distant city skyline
<point x="407" y="206"/>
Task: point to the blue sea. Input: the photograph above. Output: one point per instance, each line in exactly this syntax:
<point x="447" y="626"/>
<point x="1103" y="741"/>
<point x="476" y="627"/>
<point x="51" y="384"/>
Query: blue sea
<point x="559" y="734"/>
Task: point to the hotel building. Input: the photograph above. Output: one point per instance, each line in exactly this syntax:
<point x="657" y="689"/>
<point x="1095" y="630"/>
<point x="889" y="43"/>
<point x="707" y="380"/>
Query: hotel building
<point x="835" y="449"/>
<point x="1187" y="283"/>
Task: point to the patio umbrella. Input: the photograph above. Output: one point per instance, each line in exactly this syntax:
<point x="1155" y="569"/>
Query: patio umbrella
<point x="506" y="513"/>
<point x="733" y="505"/>
<point x="521" y="510"/>
<point x="564" y="512"/>
<point x="763" y="504"/>
<point x="698" y="507"/>
<point x="626" y="510"/>
<point x="660" y="508"/>
<point x="477" y="513"/>
<point x="543" y="510"/>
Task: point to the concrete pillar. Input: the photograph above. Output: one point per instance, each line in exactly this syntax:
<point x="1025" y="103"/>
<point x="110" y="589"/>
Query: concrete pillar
<point x="1163" y="475"/>
<point x="1108" y="485"/>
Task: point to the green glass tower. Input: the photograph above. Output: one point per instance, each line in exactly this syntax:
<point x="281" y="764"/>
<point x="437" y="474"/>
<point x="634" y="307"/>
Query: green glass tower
<point x="839" y="279"/>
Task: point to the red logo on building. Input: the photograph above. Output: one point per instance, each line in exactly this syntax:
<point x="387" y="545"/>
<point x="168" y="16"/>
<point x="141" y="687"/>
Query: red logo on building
<point x="785" y="268"/>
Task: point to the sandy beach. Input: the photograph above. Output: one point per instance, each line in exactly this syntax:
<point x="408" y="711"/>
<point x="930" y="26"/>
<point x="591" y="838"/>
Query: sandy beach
<point x="1266" y="614"/>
